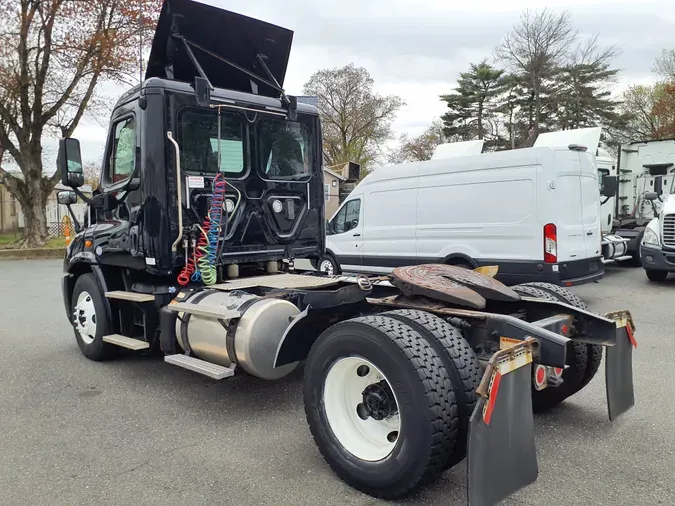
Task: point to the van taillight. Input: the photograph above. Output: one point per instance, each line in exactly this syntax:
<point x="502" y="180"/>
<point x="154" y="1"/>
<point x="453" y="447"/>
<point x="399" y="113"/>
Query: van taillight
<point x="550" y="244"/>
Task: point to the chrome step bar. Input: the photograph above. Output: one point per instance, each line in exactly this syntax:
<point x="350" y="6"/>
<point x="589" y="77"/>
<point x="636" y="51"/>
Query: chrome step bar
<point x="126" y="342"/>
<point x="214" y="371"/>
<point x="131" y="296"/>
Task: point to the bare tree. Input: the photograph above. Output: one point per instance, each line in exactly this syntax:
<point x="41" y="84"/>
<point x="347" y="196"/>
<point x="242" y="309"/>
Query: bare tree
<point x="664" y="66"/>
<point x="420" y="148"/>
<point x="53" y="54"/>
<point x="536" y="48"/>
<point x="356" y="121"/>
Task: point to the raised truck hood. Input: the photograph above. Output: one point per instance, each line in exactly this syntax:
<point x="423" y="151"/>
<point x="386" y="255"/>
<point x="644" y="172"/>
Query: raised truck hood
<point x="232" y="36"/>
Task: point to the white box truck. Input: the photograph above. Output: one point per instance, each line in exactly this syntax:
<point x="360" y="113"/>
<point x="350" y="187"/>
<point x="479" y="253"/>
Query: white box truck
<point x="534" y="212"/>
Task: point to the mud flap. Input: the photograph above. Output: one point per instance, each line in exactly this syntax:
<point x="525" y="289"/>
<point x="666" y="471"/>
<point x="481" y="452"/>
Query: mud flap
<point x="619" y="372"/>
<point x="501" y="453"/>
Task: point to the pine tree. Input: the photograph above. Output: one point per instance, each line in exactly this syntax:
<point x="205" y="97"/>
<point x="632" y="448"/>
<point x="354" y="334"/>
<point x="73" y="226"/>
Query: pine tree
<point x="473" y="105"/>
<point x="582" y="93"/>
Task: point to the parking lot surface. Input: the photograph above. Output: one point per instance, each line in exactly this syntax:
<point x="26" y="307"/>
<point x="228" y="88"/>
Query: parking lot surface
<point x="139" y="431"/>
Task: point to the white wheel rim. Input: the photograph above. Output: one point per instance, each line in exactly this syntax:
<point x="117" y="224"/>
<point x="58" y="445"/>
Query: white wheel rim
<point x="84" y="317"/>
<point x="326" y="266"/>
<point x="370" y="439"/>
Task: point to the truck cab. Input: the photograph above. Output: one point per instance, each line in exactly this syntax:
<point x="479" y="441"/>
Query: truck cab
<point x="207" y="160"/>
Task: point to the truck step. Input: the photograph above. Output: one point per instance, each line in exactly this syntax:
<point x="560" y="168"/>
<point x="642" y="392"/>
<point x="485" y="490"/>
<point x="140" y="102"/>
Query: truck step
<point x="217" y="312"/>
<point x="132" y="296"/>
<point x="215" y="371"/>
<point x="126" y="342"/>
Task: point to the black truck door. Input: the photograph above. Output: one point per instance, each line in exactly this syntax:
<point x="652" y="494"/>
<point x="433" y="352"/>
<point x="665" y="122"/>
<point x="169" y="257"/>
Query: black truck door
<point x="117" y="238"/>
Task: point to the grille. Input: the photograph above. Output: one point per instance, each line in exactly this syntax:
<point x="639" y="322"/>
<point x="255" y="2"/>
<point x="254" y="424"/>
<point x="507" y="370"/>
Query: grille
<point x="668" y="231"/>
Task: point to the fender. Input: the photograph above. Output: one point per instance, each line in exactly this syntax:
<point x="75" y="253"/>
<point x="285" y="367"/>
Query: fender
<point x="459" y="256"/>
<point x="79" y="264"/>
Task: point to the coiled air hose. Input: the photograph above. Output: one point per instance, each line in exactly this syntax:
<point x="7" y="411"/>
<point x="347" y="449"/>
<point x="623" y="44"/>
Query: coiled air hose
<point x="204" y="255"/>
<point x="206" y="267"/>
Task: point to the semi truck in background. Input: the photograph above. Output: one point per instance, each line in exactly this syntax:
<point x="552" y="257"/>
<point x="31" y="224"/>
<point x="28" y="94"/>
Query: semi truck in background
<point x="644" y="167"/>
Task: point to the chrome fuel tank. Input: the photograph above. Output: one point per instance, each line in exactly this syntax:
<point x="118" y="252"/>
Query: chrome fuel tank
<point x="253" y="340"/>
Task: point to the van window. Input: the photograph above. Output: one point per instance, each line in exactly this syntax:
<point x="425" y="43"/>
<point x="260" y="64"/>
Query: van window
<point x="348" y="217"/>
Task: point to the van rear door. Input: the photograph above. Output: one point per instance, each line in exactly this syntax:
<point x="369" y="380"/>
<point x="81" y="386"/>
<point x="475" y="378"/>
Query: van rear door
<point x="578" y="191"/>
<point x="590" y="205"/>
<point x="567" y="207"/>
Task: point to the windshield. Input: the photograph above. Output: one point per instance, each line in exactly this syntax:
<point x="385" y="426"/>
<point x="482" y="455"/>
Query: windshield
<point x="285" y="149"/>
<point x="198" y="133"/>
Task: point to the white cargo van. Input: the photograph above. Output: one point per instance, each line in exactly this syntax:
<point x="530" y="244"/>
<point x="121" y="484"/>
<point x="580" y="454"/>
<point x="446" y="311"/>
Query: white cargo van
<point x="614" y="247"/>
<point x="534" y="212"/>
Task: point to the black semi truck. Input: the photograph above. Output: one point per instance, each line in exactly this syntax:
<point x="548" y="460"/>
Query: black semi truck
<point x="212" y="186"/>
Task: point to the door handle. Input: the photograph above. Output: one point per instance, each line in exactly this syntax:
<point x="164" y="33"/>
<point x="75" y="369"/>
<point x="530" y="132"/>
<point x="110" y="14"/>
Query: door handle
<point x="357" y="235"/>
<point x="589" y="233"/>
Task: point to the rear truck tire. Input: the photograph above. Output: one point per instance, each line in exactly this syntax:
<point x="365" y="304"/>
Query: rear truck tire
<point x="89" y="319"/>
<point x="577" y="360"/>
<point x="562" y="294"/>
<point x="329" y="265"/>
<point x="459" y="361"/>
<point x="380" y="405"/>
<point x="657" y="276"/>
<point x="595" y="351"/>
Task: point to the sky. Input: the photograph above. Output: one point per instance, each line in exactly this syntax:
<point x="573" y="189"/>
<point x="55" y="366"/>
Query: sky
<point x="416" y="49"/>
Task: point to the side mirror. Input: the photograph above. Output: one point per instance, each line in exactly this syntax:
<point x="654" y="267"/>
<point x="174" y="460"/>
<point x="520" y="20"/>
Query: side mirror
<point x="134" y="184"/>
<point x="651" y="196"/>
<point x="610" y="184"/>
<point x="66" y="198"/>
<point x="69" y="163"/>
<point x="658" y="185"/>
<point x="329" y="228"/>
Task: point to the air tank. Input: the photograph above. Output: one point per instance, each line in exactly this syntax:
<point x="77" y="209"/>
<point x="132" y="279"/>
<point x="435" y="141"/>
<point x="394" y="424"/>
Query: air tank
<point x="250" y="341"/>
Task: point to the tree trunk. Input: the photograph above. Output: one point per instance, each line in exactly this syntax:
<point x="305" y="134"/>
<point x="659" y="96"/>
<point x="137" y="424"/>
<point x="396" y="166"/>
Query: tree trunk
<point x="33" y="205"/>
<point x="480" y="120"/>
<point x="537" y="110"/>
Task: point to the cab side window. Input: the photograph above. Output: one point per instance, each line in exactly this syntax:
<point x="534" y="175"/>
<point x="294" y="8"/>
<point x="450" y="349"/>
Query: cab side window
<point x="122" y="157"/>
<point x="348" y="217"/>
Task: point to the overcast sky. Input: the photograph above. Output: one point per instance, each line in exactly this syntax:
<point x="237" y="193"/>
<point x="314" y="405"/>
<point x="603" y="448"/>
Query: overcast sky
<point x="415" y="49"/>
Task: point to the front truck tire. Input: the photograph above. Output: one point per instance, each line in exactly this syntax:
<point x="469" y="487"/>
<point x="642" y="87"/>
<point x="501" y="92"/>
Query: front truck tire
<point x="380" y="405"/>
<point x="577" y="360"/>
<point x="459" y="361"/>
<point x="90" y="319"/>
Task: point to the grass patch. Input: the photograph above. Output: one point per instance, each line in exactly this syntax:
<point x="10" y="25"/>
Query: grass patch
<point x="7" y="240"/>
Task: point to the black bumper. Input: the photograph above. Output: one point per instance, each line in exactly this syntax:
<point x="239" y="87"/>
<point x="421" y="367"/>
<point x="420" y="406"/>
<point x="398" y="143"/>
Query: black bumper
<point x="656" y="259"/>
<point x="576" y="272"/>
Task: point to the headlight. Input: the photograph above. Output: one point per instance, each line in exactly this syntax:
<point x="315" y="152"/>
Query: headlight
<point x="650" y="237"/>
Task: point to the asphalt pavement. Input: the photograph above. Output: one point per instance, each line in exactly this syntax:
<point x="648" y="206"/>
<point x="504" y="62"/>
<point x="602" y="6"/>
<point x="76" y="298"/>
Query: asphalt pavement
<point x="137" y="431"/>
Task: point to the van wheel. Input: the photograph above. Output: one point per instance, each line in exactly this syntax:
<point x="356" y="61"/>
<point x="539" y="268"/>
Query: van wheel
<point x="577" y="360"/>
<point x="459" y="361"/>
<point x="89" y="319"/>
<point x="594" y="351"/>
<point x="380" y="405"/>
<point x="329" y="265"/>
